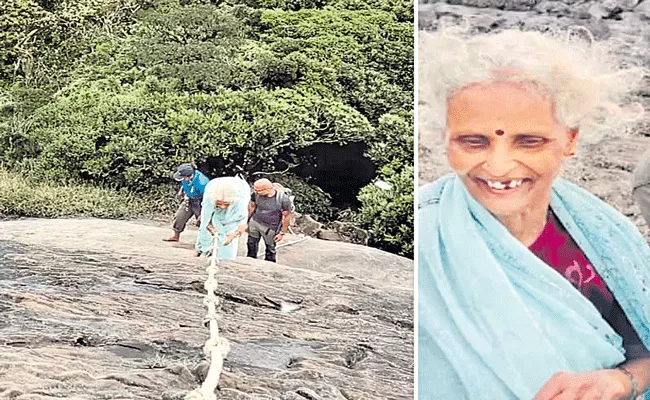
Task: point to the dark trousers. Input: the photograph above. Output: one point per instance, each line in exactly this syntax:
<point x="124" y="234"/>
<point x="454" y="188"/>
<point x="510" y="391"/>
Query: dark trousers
<point x="185" y="212"/>
<point x="257" y="231"/>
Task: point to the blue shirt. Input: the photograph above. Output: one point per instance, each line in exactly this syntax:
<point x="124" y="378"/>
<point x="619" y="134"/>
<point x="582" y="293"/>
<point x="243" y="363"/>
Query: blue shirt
<point x="195" y="188"/>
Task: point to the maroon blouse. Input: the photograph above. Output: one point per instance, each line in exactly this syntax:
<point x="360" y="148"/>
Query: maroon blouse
<point x="556" y="248"/>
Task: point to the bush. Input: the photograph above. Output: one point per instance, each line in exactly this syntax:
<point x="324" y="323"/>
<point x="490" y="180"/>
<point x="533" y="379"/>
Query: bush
<point x="24" y="196"/>
<point x="99" y="93"/>
<point x="391" y="148"/>
<point x="388" y="214"/>
<point x="132" y="139"/>
<point x="369" y="39"/>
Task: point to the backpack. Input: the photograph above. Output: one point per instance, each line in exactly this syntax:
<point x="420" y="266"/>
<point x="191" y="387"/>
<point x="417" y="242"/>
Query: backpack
<point x="280" y="190"/>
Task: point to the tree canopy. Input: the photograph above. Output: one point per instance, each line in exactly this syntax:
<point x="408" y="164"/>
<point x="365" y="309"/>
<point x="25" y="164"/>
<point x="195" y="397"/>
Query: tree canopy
<point x="118" y="92"/>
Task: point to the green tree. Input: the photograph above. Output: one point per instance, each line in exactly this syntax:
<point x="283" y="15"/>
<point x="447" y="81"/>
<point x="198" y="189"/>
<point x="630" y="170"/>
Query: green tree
<point x="388" y="213"/>
<point x="115" y="93"/>
<point x="132" y="138"/>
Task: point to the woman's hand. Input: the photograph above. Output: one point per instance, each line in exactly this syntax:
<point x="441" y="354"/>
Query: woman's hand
<point x="230" y="237"/>
<point x="211" y="229"/>
<point x="603" y="384"/>
<point x="235" y="234"/>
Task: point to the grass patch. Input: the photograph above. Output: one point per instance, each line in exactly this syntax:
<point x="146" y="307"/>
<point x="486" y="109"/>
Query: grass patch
<point x="21" y="195"/>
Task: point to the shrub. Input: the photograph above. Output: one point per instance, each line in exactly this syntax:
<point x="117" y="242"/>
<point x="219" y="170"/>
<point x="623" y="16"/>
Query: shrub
<point x="388" y="214"/>
<point x="24" y="196"/>
<point x="132" y="139"/>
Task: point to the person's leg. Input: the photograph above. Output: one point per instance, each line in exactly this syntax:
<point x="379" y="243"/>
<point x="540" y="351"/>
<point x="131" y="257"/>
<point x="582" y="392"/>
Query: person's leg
<point x="229" y="251"/>
<point x="183" y="214"/>
<point x="642" y="198"/>
<point x="269" y="241"/>
<point x="641" y="185"/>
<point x="195" y="207"/>
<point x="253" y="242"/>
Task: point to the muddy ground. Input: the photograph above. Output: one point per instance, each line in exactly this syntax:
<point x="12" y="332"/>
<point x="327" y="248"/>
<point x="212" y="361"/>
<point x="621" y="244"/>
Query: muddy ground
<point x="102" y="309"/>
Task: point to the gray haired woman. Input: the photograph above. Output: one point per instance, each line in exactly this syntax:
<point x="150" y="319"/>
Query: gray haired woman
<point x="529" y="287"/>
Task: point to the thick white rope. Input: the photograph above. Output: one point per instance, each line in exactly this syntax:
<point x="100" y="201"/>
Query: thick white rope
<point x="261" y="252"/>
<point x="216" y="348"/>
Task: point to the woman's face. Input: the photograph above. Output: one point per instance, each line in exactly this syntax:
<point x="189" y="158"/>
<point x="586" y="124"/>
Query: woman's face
<point x="504" y="142"/>
<point x="222" y="204"/>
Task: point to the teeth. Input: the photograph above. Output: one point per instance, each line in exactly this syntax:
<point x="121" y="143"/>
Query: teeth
<point x="496" y="185"/>
<point x="502" y="185"/>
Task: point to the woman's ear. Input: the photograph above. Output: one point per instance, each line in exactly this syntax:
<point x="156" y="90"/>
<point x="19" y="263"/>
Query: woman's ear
<point x="572" y="145"/>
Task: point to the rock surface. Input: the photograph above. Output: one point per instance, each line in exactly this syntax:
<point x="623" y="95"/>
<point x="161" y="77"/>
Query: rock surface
<point x="332" y="231"/>
<point x="102" y="309"/>
<point x="604" y="168"/>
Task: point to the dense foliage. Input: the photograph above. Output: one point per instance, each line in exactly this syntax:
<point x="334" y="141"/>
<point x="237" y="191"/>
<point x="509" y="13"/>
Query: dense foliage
<point x="21" y="195"/>
<point x="116" y="93"/>
<point x="387" y="213"/>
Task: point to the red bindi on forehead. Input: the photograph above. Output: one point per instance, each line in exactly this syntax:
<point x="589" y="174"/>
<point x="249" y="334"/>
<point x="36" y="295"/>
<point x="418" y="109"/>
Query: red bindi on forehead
<point x="499" y="132"/>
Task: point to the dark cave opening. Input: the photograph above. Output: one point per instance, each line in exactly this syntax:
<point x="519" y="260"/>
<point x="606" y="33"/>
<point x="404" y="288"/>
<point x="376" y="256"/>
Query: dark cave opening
<point x="340" y="170"/>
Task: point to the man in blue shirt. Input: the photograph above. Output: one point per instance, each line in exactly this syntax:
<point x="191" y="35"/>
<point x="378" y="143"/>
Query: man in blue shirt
<point x="193" y="184"/>
<point x="641" y="185"/>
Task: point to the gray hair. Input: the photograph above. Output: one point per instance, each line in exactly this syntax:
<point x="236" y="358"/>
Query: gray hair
<point x="592" y="88"/>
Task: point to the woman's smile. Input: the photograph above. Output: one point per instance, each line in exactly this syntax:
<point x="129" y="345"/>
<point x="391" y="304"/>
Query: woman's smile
<point x="503" y="187"/>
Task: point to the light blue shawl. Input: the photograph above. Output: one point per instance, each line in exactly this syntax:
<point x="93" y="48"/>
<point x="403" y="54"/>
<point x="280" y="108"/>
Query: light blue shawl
<point x="494" y="321"/>
<point x="224" y="220"/>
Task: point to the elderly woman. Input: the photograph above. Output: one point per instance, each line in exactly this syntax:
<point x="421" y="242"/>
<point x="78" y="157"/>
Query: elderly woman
<point x="529" y="286"/>
<point x="224" y="212"/>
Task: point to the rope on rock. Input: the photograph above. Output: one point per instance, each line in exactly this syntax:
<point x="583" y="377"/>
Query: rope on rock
<point x="261" y="252"/>
<point x="216" y="348"/>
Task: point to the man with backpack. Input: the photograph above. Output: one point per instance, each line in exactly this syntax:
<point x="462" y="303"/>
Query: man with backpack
<point x="269" y="214"/>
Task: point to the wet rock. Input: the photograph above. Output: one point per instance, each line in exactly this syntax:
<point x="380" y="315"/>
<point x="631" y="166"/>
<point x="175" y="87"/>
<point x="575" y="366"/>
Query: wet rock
<point x="355" y="355"/>
<point x="623" y="5"/>
<point x="336" y="230"/>
<point x="173" y="395"/>
<point x="643" y="10"/>
<point x="184" y="373"/>
<point x="511" y="5"/>
<point x="558" y="9"/>
<point x="308" y="394"/>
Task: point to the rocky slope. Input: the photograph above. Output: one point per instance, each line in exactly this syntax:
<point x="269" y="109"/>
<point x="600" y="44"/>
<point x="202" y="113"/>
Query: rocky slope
<point x="100" y="309"/>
